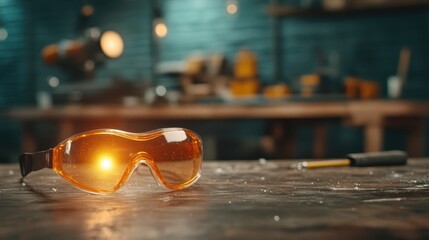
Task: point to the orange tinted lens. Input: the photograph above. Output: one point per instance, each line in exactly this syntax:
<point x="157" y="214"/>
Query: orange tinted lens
<point x="178" y="157"/>
<point x="95" y="162"/>
<point x="101" y="161"/>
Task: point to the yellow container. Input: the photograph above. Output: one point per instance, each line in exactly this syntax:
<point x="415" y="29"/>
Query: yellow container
<point x="244" y="87"/>
<point x="246" y="65"/>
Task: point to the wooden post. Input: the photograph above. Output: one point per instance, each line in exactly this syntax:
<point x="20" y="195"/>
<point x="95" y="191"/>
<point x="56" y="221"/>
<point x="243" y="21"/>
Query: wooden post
<point x="28" y="137"/>
<point x="320" y="133"/>
<point x="373" y="137"/>
<point x="416" y="138"/>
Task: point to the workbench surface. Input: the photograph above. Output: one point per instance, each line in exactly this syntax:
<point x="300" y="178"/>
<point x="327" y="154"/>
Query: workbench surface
<point x="253" y="199"/>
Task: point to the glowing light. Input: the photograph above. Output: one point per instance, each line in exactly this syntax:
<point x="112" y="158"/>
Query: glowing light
<point x="112" y="44"/>
<point x="94" y="32"/>
<point x="160" y="29"/>
<point x="87" y="10"/>
<point x="89" y="65"/>
<point x="53" y="81"/>
<point x="231" y="8"/>
<point x="106" y="163"/>
<point x="160" y="90"/>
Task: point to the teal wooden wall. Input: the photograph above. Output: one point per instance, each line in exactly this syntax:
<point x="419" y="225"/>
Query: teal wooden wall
<point x="367" y="45"/>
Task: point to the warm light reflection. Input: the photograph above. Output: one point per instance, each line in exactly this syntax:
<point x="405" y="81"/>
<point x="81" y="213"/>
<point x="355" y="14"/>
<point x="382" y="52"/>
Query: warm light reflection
<point x="160" y="29"/>
<point x="175" y="136"/>
<point x="231" y="8"/>
<point x="98" y="221"/>
<point x="111" y="44"/>
<point x="106" y="163"/>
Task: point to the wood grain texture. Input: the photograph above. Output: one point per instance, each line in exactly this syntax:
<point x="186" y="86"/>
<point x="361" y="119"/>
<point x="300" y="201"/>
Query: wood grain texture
<point x="184" y="112"/>
<point x="232" y="200"/>
<point x="359" y="111"/>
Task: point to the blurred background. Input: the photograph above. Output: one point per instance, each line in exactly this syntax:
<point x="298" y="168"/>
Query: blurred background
<point x="130" y="53"/>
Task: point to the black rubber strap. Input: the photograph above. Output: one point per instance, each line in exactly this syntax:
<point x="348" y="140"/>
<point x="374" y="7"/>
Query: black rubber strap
<point x="29" y="162"/>
<point x="387" y="158"/>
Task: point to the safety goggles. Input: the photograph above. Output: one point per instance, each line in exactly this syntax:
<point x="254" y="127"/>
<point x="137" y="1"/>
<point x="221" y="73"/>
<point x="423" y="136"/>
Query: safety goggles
<point x="101" y="161"/>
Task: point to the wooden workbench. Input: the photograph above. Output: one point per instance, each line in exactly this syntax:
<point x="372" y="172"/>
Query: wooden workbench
<point x="232" y="200"/>
<point x="372" y="116"/>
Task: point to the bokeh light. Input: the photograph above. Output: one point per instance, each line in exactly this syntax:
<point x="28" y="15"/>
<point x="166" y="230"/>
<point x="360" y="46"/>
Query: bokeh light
<point x="3" y="34"/>
<point x="112" y="44"/>
<point x="53" y="81"/>
<point x="232" y="7"/>
<point x="160" y="29"/>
